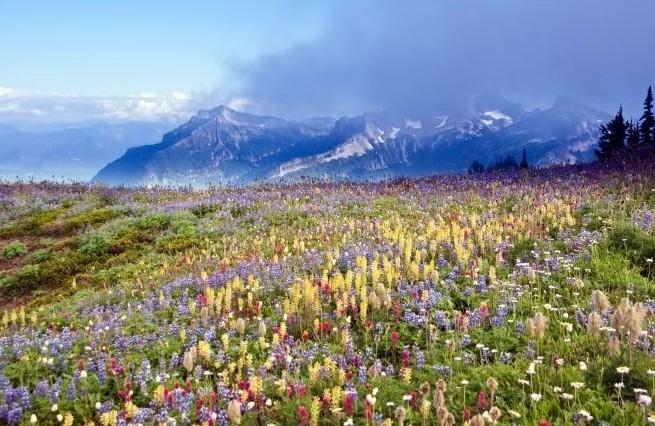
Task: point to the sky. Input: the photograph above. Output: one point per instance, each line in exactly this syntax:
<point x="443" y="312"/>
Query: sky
<point x="69" y="60"/>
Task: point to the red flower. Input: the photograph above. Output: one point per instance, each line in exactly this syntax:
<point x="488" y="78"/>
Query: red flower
<point x="305" y="335"/>
<point x="396" y="311"/>
<point x="349" y="375"/>
<point x="303" y="415"/>
<point x="414" y="401"/>
<point x="482" y="401"/>
<point x="406" y="358"/>
<point x="368" y="411"/>
<point x="348" y="402"/>
<point x="302" y="390"/>
<point x="325" y="327"/>
<point x="466" y="415"/>
<point x="544" y="423"/>
<point x="326" y="402"/>
<point x="394" y="338"/>
<point x="291" y="390"/>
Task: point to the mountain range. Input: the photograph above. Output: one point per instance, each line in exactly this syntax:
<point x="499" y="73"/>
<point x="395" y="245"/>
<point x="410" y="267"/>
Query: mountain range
<point x="73" y="151"/>
<point x="223" y="146"/>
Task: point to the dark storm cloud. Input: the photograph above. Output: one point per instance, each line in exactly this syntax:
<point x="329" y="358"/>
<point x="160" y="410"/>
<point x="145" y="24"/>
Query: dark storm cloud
<point x="420" y="54"/>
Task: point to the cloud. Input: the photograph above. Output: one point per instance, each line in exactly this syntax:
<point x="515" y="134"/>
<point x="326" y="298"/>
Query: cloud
<point x="21" y="106"/>
<point x="422" y="54"/>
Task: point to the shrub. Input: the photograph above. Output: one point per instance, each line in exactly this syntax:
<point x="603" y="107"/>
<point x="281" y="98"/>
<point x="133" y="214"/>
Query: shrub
<point x="41" y="255"/>
<point x="14" y="249"/>
<point x="94" y="245"/>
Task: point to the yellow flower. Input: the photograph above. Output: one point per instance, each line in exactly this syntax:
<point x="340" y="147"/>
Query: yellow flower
<point x="130" y="409"/>
<point x="68" y="419"/>
<point x="314" y="411"/>
<point x="406" y="373"/>
<point x="159" y="395"/>
<point x="204" y="349"/>
<point x="110" y="418"/>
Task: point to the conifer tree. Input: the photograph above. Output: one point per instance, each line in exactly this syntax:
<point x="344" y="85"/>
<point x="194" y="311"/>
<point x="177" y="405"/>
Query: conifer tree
<point x="524" y="161"/>
<point x="612" y="137"/>
<point x="633" y="137"/>
<point x="647" y="121"/>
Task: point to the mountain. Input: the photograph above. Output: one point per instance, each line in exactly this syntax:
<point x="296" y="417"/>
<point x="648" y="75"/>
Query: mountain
<point x="223" y="146"/>
<point x="68" y="151"/>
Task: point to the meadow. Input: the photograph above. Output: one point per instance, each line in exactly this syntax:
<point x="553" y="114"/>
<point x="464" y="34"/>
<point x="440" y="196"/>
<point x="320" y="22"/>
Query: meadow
<point x="518" y="298"/>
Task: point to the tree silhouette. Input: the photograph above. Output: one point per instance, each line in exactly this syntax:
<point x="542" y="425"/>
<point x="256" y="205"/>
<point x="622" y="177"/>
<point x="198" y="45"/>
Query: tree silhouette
<point x="612" y="137"/>
<point x="476" y="167"/>
<point x="647" y="126"/>
<point x="633" y="137"/>
<point x="524" y="161"/>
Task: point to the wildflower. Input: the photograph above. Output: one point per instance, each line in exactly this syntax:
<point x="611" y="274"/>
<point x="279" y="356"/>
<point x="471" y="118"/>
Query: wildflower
<point x="599" y="302"/>
<point x="464" y="382"/>
<point x="400" y="415"/>
<point x="68" y="419"/>
<point x="536" y="397"/>
<point x="514" y="414"/>
<point x="425" y="388"/>
<point x="584" y="413"/>
<point x="234" y="412"/>
<point x="303" y="415"/>
<point x="557" y="389"/>
<point x="583" y="366"/>
<point x="187" y="361"/>
<point x="492" y="383"/>
<point x="623" y="370"/>
<point x="567" y="396"/>
<point x="577" y="385"/>
<point x="531" y="369"/>
<point x="482" y="401"/>
<point x="348" y="422"/>
<point x="33" y="418"/>
<point x="241" y="326"/>
<point x="477" y="420"/>
<point x="494" y="413"/>
<point x="110" y="418"/>
<point x="619" y="385"/>
<point x="644" y="400"/>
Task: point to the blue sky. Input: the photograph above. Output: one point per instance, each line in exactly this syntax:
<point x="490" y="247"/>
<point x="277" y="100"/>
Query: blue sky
<point x="65" y="60"/>
<point x="126" y="47"/>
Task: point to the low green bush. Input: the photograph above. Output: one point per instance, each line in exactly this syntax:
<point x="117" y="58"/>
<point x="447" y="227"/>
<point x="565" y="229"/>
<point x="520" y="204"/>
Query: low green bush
<point x="14" y="249"/>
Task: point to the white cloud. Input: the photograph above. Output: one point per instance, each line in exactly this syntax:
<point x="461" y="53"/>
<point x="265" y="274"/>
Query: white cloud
<point x="20" y="106"/>
<point x="240" y="104"/>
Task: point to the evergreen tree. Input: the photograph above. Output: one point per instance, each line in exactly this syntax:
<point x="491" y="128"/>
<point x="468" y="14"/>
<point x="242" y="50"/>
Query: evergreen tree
<point x="524" y="160"/>
<point x="612" y="137"/>
<point x="633" y="137"/>
<point x="647" y="126"/>
<point x="476" y="167"/>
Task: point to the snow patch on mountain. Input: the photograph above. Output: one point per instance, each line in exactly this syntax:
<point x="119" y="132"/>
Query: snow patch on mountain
<point x="444" y="119"/>
<point x="497" y="115"/>
<point x="414" y="124"/>
<point x="356" y="146"/>
<point x="293" y="166"/>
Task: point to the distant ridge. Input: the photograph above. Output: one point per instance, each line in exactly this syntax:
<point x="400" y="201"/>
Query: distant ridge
<point x="224" y="146"/>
